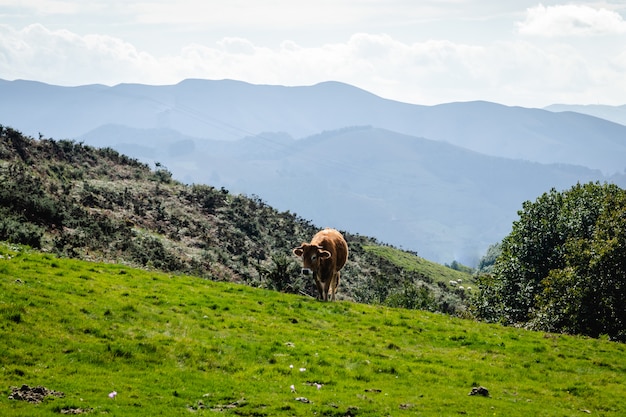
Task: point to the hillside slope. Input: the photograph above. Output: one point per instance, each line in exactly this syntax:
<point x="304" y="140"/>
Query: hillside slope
<point x="120" y="341"/>
<point x="443" y="201"/>
<point x="97" y="204"/>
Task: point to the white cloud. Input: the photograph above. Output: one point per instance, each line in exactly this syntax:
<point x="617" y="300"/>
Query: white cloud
<point x="571" y="20"/>
<point x="619" y="63"/>
<point x="425" y="72"/>
<point x="38" y="53"/>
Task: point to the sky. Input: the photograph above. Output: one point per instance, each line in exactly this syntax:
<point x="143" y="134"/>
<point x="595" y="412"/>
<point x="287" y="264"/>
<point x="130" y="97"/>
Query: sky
<point x="518" y="52"/>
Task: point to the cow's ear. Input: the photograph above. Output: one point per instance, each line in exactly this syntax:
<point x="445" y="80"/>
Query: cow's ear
<point x="298" y="251"/>
<point x="324" y="254"/>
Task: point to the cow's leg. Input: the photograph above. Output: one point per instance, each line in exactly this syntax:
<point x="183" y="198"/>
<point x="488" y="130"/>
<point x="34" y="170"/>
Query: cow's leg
<point x="320" y="289"/>
<point x="325" y="288"/>
<point x="333" y="286"/>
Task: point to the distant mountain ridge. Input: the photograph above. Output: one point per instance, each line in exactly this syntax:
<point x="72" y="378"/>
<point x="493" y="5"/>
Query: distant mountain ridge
<point x="444" y="180"/>
<point x="230" y="110"/>
<point x="616" y="114"/>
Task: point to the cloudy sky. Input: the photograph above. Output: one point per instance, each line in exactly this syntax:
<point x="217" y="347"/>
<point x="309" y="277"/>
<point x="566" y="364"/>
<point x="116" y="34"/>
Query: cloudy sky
<point x="426" y="52"/>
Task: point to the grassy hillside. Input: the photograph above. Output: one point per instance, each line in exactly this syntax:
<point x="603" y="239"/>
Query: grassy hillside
<point x="411" y="262"/>
<point x="96" y="204"/>
<point x="172" y="344"/>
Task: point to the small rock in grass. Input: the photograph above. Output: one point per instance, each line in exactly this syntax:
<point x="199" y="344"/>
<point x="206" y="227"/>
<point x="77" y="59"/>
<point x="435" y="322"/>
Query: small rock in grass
<point x="479" y="391"/>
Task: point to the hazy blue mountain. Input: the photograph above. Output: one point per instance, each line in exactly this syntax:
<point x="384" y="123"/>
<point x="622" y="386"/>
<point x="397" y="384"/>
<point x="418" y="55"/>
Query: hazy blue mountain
<point x="438" y="199"/>
<point x="445" y="181"/>
<point x="616" y="114"/>
<point x="230" y="110"/>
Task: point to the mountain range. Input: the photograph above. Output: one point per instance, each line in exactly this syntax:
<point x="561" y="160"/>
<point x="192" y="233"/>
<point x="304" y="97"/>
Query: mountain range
<point x="615" y="114"/>
<point x="445" y="181"/>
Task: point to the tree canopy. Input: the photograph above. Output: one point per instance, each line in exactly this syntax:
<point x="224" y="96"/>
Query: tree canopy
<point x="563" y="266"/>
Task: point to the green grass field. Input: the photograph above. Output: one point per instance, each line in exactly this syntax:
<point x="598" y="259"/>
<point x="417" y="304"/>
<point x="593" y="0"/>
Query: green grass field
<point x="176" y="345"/>
<point x="410" y="262"/>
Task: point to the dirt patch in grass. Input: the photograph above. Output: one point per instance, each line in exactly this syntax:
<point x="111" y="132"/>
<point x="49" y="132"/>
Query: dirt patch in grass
<point x="33" y="395"/>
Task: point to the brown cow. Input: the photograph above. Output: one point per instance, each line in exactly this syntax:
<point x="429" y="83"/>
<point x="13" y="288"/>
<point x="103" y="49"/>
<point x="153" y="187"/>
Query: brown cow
<point x="323" y="258"/>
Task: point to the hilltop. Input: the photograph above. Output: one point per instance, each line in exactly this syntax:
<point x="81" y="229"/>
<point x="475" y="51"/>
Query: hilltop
<point x="97" y="204"/>
<point x="110" y="339"/>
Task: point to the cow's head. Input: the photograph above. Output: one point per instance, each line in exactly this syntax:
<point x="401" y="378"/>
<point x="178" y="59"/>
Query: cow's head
<point x="311" y="256"/>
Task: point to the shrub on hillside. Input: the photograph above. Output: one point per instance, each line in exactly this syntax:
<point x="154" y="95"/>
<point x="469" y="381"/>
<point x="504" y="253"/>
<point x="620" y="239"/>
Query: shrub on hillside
<point x="25" y="196"/>
<point x="413" y="297"/>
<point x="282" y="274"/>
<point x="16" y="230"/>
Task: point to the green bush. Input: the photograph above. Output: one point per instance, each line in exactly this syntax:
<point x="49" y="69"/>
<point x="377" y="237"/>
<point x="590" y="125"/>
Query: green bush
<point x="16" y="230"/>
<point x="282" y="275"/>
<point x="563" y="266"/>
<point x="413" y="297"/>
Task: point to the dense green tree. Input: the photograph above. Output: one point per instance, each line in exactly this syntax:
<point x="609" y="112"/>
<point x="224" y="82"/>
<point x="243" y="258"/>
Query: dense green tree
<point x="563" y="266"/>
<point x="485" y="265"/>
